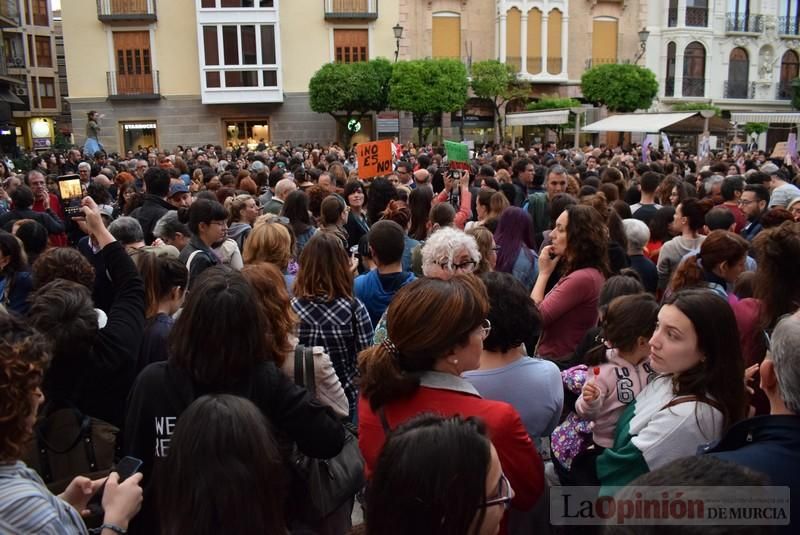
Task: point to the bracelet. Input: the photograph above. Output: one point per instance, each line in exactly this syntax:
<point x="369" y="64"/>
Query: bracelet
<point x="113" y="527"/>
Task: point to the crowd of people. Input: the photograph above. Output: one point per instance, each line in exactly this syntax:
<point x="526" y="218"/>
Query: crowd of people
<point x="547" y="317"/>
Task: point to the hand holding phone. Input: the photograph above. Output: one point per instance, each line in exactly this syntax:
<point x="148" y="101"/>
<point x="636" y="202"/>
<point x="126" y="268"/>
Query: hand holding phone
<point x="126" y="467"/>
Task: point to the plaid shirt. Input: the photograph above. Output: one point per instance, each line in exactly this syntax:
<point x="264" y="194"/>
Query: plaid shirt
<point x="330" y="324"/>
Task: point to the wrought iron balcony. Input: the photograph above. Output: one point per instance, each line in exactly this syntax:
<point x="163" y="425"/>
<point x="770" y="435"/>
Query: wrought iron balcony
<point x="789" y="25"/>
<point x="594" y="62"/>
<point x="739" y="22"/>
<point x="738" y="89"/>
<point x="9" y="14"/>
<point x="784" y="90"/>
<point x="697" y="16"/>
<point x="133" y="86"/>
<point x="694" y="87"/>
<point x="111" y="11"/>
<point x="351" y="9"/>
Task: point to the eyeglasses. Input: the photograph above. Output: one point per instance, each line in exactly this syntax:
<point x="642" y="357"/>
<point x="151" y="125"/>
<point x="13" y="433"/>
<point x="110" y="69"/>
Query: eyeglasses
<point x="504" y="494"/>
<point x="467" y="266"/>
<point x="745" y="202"/>
<point x="222" y="224"/>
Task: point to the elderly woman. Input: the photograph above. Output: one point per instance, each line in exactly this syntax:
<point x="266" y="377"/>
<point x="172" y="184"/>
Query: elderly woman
<point x="27" y="505"/>
<point x="638" y="234"/>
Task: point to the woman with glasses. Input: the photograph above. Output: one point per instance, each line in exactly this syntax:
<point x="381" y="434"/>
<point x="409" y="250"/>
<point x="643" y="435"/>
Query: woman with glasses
<point x="207" y="221"/>
<point x="517" y="256"/>
<point x="579" y="249"/>
<point x="417" y="369"/>
<point x="465" y="490"/>
<point x="449" y="252"/>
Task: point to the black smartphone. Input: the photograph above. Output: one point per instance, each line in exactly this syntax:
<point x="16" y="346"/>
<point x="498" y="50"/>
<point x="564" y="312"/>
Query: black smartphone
<point x="69" y="186"/>
<point x="126" y="467"/>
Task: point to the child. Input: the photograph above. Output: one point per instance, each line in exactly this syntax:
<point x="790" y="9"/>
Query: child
<point x="618" y="370"/>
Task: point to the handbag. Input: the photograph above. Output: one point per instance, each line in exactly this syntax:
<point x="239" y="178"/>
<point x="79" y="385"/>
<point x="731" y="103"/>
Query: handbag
<point x="68" y="443"/>
<point x="328" y="483"/>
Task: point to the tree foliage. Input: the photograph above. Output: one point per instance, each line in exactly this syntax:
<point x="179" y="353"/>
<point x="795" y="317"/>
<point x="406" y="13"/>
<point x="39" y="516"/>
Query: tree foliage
<point x="350" y="90"/>
<point x="697" y="106"/>
<point x="620" y="87"/>
<point x="498" y="82"/>
<point x="428" y="87"/>
<point x="556" y="103"/>
<point x="755" y="128"/>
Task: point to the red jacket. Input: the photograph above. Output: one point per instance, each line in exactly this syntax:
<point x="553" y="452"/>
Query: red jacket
<point x="56" y="240"/>
<point x="453" y="395"/>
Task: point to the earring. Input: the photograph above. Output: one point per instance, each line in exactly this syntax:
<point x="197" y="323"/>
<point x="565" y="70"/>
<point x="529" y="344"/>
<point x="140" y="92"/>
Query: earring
<point x="454" y="361"/>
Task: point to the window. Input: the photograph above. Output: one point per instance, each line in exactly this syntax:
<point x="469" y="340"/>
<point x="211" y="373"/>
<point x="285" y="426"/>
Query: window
<point x="604" y="41"/>
<point x="47" y="92"/>
<point x="694" y="70"/>
<point x="15" y="52"/>
<point x="40" y="15"/>
<point x="669" y="85"/>
<point x="350" y="46"/>
<point x="790" y="69"/>
<point x="534" y="41"/>
<point x="133" y="75"/>
<point x="789" y="21"/>
<point x="513" y="30"/>
<point x="44" y="56"/>
<point x="672" y="13"/>
<point x="739" y="7"/>
<point x="697" y="13"/>
<point x="554" y="63"/>
<point x="446" y="36"/>
<point x="241" y="54"/>
<point x="738" y="74"/>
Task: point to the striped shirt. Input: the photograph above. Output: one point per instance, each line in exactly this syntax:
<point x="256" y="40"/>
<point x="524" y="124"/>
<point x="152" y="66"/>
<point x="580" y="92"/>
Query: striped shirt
<point x="331" y="325"/>
<point x="27" y="506"/>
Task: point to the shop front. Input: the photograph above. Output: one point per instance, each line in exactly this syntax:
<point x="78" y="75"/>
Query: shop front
<point x="138" y="135"/>
<point x="248" y="132"/>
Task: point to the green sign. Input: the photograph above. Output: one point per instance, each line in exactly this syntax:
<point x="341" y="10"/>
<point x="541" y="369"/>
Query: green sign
<point x="456" y="152"/>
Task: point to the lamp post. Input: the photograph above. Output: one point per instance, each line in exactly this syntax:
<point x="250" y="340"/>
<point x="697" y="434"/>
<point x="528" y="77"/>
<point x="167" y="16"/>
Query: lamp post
<point x="643" y="35"/>
<point x="706" y="115"/>
<point x="398" y="34"/>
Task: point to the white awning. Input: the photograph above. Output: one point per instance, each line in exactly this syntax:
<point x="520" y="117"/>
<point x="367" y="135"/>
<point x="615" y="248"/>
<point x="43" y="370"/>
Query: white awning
<point x="765" y="117"/>
<point x="637" y="122"/>
<point x="533" y="118"/>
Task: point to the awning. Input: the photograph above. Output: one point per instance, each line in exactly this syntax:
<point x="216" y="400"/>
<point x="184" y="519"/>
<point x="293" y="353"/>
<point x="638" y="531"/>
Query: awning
<point x="534" y="118"/>
<point x="8" y="96"/>
<point x="637" y="122"/>
<point x="765" y="117"/>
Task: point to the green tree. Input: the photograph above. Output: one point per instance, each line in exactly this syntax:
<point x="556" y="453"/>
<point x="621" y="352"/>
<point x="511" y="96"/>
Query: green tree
<point x="348" y="91"/>
<point x="498" y="82"/>
<point x="697" y="106"/>
<point x="620" y="88"/>
<point x="428" y="87"/>
<point x="556" y="103"/>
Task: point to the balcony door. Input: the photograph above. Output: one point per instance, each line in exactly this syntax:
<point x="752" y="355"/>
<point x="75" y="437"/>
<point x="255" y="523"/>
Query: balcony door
<point x="738" y="74"/>
<point x="134" y="74"/>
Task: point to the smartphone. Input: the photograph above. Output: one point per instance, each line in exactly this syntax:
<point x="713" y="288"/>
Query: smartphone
<point x="126" y="467"/>
<point x="69" y="186"/>
<point x="354" y="251"/>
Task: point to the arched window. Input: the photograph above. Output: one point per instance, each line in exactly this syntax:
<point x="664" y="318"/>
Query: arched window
<point x="738" y="74"/>
<point x="790" y="69"/>
<point x="446" y="35"/>
<point x="534" y="41"/>
<point x="694" y="70"/>
<point x="513" y="29"/>
<point x="554" y="59"/>
<point x="669" y="85"/>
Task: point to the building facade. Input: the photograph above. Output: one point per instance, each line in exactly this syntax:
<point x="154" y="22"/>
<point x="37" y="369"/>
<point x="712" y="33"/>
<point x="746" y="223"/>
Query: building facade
<point x="29" y="50"/>
<point x="736" y="54"/>
<point x="191" y="72"/>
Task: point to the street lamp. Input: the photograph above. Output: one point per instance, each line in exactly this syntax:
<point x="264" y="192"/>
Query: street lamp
<point x="577" y="111"/>
<point x="398" y="34"/>
<point x="706" y="114"/>
<point x="643" y="35"/>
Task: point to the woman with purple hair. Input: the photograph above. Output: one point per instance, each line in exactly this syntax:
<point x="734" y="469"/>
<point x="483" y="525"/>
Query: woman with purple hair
<point x="514" y="239"/>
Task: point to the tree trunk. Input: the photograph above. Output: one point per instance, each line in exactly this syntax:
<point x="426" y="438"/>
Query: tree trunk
<point x="419" y="118"/>
<point x="498" y="121"/>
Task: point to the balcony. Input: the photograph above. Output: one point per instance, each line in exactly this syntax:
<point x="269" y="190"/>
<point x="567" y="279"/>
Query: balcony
<point x="112" y="11"/>
<point x="9" y="14"/>
<point x="672" y="17"/>
<point x="738" y="89"/>
<point x="133" y="86"/>
<point x="788" y="25"/>
<point x="738" y="22"/>
<point x="784" y="90"/>
<point x="694" y="87"/>
<point x="697" y="17"/>
<point x="594" y="62"/>
<point x="351" y="9"/>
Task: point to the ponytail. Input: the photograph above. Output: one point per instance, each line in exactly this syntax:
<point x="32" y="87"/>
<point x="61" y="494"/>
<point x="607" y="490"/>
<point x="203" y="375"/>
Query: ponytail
<point x="382" y="378"/>
<point x="688" y="274"/>
<point x="161" y="275"/>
